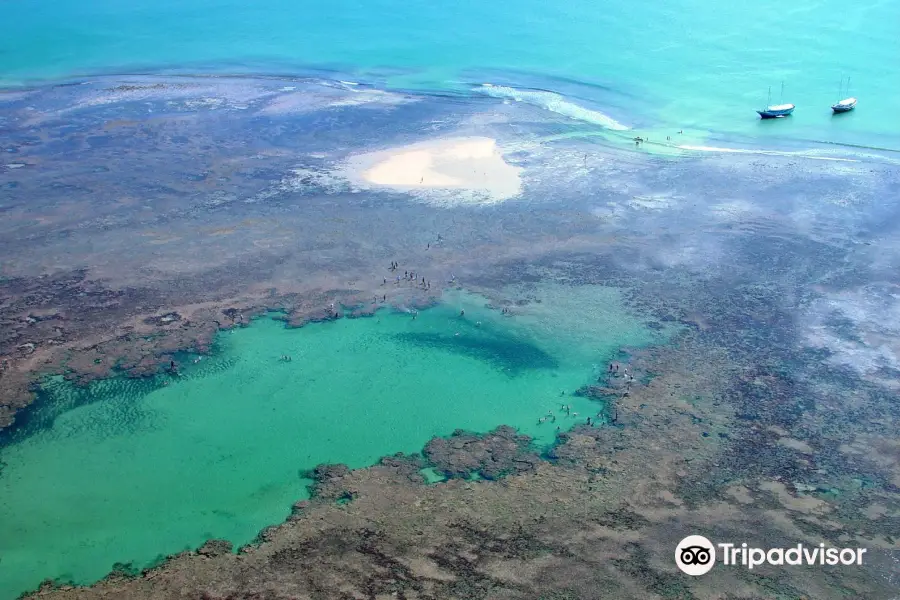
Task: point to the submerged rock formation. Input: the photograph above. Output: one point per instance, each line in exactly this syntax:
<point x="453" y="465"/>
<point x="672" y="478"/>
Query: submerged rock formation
<point x="492" y="455"/>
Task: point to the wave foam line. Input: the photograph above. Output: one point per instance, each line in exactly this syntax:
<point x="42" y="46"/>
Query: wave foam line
<point x="764" y="152"/>
<point x="554" y="103"/>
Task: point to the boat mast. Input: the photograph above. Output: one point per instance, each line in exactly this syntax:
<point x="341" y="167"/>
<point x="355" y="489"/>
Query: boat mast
<point x="848" y="87"/>
<point x="769" y="100"/>
<point x="782" y="93"/>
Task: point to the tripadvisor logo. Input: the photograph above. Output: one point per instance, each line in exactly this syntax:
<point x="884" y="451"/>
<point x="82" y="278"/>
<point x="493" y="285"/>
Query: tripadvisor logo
<point x="696" y="555"/>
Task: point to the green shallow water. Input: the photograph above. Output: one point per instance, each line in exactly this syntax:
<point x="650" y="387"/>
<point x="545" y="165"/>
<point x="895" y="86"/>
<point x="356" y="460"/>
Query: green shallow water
<point x="138" y="469"/>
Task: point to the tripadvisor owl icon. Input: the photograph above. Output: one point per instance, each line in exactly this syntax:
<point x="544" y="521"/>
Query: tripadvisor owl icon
<point x="695" y="555"/>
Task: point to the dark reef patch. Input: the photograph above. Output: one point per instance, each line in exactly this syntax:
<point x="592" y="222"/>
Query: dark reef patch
<point x="842" y="326"/>
<point x="492" y="455"/>
<point x="56" y="398"/>
<point x="508" y="354"/>
<point x="636" y="564"/>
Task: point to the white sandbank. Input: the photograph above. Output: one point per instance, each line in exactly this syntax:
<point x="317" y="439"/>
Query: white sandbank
<point x="471" y="169"/>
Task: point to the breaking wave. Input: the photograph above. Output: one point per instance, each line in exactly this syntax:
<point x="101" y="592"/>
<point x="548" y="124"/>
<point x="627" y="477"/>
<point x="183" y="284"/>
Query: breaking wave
<point x="554" y="103"/>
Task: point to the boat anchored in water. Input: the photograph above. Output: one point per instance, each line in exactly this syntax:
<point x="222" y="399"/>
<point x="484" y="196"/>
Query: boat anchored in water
<point x="776" y="111"/>
<point x="847" y="104"/>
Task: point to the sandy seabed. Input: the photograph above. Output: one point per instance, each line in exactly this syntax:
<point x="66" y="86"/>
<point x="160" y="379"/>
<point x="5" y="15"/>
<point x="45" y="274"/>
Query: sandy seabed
<point x="459" y="164"/>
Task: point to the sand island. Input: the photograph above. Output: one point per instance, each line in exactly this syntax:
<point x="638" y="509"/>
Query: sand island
<point x="473" y="165"/>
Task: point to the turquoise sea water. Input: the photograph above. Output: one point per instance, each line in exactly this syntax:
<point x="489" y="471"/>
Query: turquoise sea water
<point x="131" y="470"/>
<point x="684" y="64"/>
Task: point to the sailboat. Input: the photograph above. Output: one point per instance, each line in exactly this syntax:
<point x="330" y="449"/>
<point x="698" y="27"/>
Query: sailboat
<point x="778" y="110"/>
<point x="847" y="104"/>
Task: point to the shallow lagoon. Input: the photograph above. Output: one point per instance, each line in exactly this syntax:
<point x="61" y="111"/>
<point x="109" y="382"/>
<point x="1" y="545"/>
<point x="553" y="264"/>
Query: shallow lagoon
<point x="140" y="469"/>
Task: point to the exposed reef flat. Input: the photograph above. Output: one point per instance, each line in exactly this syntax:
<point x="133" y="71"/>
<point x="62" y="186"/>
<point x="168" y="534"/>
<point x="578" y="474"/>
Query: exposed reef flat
<point x="148" y="215"/>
